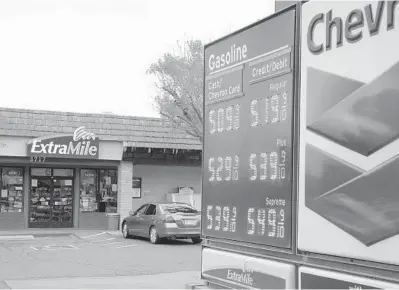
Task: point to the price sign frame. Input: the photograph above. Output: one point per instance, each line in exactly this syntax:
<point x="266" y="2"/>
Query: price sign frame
<point x="218" y="95"/>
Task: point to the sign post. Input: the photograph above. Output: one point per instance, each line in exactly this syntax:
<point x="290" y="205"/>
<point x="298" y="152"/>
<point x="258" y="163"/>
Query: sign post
<point x="247" y="176"/>
<point x="320" y="211"/>
<point x="247" y="196"/>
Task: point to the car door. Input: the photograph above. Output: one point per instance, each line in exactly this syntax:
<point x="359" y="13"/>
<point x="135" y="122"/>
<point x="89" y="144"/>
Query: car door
<point x="148" y="219"/>
<point x="134" y="221"/>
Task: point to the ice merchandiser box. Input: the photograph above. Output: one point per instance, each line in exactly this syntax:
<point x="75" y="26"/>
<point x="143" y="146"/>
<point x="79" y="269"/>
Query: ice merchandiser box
<point x="311" y="278"/>
<point x="246" y="272"/>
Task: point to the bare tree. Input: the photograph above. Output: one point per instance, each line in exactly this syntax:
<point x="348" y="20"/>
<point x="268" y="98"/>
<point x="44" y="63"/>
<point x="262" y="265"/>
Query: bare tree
<point x="179" y="80"/>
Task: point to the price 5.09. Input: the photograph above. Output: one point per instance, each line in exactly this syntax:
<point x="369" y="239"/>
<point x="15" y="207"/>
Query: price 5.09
<point x="224" y="119"/>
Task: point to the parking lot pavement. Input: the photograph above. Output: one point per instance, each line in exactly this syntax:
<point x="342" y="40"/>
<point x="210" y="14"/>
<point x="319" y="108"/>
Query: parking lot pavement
<point x="177" y="280"/>
<point x="115" y="240"/>
<point x="105" y="239"/>
<point x="93" y="254"/>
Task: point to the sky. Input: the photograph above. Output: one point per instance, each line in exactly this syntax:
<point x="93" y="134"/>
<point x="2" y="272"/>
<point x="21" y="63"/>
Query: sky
<point x="91" y="56"/>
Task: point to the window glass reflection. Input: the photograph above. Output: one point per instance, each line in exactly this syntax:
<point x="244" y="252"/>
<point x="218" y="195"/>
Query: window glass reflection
<point x="98" y="190"/>
<point x="11" y="195"/>
<point x="89" y="196"/>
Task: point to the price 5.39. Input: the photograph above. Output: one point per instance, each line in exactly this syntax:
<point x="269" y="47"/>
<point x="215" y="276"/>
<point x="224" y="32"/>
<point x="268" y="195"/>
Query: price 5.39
<point x="221" y="218"/>
<point x="267" y="165"/>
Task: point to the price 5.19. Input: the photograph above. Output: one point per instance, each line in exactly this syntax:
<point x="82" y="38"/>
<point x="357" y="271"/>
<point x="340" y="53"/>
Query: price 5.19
<point x="269" y="110"/>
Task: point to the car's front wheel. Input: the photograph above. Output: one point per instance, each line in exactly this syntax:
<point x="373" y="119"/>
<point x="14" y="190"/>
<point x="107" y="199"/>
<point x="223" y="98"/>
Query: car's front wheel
<point x="125" y="231"/>
<point x="196" y="240"/>
<point x="154" y="237"/>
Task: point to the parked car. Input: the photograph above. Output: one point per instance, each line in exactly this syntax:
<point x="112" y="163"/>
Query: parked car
<point x="160" y="220"/>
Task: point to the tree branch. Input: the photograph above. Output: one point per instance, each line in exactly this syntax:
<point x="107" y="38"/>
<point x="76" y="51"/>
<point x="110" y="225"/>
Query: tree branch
<point x="180" y="82"/>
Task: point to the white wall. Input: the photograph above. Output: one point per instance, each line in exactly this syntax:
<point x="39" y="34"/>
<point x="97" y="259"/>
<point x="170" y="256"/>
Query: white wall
<point x="158" y="180"/>
<point x="125" y="188"/>
<point x="13" y="146"/>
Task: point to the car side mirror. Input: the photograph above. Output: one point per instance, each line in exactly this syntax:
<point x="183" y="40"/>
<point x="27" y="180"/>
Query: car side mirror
<point x="132" y="213"/>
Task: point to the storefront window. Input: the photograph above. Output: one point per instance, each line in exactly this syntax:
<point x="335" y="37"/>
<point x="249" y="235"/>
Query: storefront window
<point x="62" y="172"/>
<point x="51" y="198"/>
<point x="89" y="196"/>
<point x="11" y="197"/>
<point x="109" y="190"/>
<point x="98" y="190"/>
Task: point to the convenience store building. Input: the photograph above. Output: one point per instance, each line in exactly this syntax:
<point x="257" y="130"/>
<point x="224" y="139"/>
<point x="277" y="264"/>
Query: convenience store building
<point x="68" y="170"/>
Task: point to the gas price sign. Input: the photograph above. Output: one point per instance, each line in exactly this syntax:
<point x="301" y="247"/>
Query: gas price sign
<point x="248" y="103"/>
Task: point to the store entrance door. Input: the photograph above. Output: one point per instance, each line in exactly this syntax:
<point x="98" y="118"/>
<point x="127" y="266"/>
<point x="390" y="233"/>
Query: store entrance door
<point x="51" y="202"/>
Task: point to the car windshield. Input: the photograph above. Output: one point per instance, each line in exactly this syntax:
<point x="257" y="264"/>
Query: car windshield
<point x="178" y="208"/>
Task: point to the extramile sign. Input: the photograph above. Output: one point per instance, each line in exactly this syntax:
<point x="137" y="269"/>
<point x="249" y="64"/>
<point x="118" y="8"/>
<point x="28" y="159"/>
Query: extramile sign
<point x="81" y="144"/>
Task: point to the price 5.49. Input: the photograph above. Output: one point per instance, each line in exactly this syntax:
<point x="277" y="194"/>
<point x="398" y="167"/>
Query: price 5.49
<point x="266" y="221"/>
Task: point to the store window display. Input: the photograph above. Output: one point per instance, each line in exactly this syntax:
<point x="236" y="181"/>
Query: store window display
<point x="11" y="196"/>
<point x="51" y="198"/>
<point x="88" y="190"/>
<point x="98" y="190"/>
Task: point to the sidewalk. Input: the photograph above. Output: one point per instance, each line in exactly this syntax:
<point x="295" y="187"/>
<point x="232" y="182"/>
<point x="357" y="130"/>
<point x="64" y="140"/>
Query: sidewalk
<point x="177" y="280"/>
<point x="28" y="234"/>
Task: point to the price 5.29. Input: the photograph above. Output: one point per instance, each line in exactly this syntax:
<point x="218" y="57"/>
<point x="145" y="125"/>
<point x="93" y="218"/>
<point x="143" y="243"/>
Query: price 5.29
<point x="223" y="168"/>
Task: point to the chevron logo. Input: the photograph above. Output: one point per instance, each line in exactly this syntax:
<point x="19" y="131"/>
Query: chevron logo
<point x="352" y="153"/>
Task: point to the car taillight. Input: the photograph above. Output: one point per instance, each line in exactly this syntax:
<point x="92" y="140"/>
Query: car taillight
<point x="169" y="220"/>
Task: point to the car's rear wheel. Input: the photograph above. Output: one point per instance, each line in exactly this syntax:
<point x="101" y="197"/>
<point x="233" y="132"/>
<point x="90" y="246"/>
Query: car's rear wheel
<point x="125" y="230"/>
<point x="154" y="237"/>
<point x="196" y="240"/>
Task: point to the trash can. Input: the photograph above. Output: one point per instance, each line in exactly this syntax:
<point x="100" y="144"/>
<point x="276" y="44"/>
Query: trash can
<point x="113" y="221"/>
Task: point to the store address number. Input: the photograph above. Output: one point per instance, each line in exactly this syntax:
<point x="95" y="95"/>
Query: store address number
<point x="38" y="159"/>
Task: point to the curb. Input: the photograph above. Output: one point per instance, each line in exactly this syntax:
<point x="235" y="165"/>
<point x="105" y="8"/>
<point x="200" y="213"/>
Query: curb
<point x="196" y="286"/>
<point x="52" y="234"/>
<point x="31" y="236"/>
<point x="4" y="285"/>
<point x="114" y="233"/>
<point x="16" y="238"/>
<point x="172" y="280"/>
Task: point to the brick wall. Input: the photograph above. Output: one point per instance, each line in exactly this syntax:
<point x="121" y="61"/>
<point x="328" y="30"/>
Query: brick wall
<point x="125" y="190"/>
